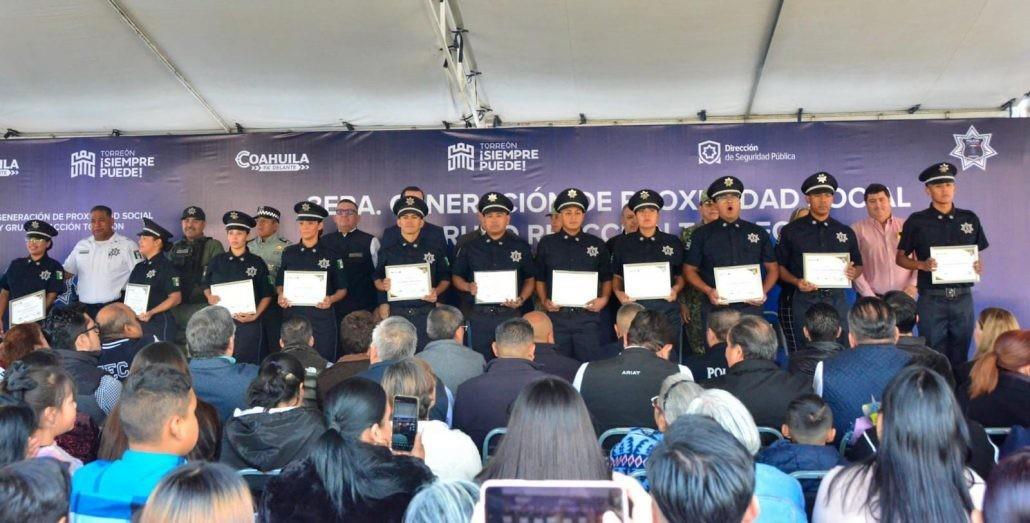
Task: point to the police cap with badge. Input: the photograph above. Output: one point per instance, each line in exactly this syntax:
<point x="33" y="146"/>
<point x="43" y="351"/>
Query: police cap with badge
<point x="264" y="211"/>
<point x="571" y="197"/>
<point x="238" y="221"/>
<point x="39" y="230"/>
<point x="152" y="229"/>
<point x="645" y="199"/>
<point x="819" y="183"/>
<point x="938" y="173"/>
<point x="310" y="212"/>
<point x="495" y="202"/>
<point x="726" y="186"/>
<point x="410" y="205"/>
<point x="193" y="212"/>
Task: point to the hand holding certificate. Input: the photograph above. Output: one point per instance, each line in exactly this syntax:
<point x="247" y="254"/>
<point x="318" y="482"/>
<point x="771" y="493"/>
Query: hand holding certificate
<point x="137" y="297"/>
<point x="647" y="281"/>
<point x="408" y="282"/>
<point x="739" y="283"/>
<point x="237" y="296"/>
<point x="28" y="308"/>
<point x="573" y="288"/>
<point x="305" y="288"/>
<point x="955" y="264"/>
<point x="496" y="286"/>
<point x="827" y="270"/>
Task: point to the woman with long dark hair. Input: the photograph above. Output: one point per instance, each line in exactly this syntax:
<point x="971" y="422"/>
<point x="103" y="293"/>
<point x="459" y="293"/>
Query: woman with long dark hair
<point x="998" y="393"/>
<point x="919" y="472"/>
<point x="351" y="475"/>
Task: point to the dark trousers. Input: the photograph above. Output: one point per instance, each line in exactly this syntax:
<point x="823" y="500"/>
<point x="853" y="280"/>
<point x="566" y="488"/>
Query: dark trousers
<point x="323" y="326"/>
<point x="417" y="316"/>
<point x="483" y="320"/>
<point x="576" y="333"/>
<point x="804" y="300"/>
<point x="946" y="321"/>
<point x="671" y="310"/>
<point x="161" y="325"/>
<point x="247" y="343"/>
<point x="271" y="326"/>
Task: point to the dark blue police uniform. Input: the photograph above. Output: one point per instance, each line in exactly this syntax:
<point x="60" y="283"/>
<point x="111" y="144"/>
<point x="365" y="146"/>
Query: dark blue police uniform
<point x="25" y="276"/>
<point x="163" y="279"/>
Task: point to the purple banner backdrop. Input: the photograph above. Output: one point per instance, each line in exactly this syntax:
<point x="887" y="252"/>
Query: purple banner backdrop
<point x="59" y="180"/>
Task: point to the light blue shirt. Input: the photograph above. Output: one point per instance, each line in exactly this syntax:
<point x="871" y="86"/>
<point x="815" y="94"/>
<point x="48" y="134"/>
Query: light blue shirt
<point x="105" y="491"/>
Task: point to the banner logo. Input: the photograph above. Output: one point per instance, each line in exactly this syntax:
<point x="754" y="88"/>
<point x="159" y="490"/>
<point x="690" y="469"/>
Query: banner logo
<point x="276" y="162"/>
<point x="461" y="156"/>
<point x="709" y="152"/>
<point x="8" y="167"/>
<point x="973" y="149"/>
<point x="486" y="157"/>
<point x="84" y="163"/>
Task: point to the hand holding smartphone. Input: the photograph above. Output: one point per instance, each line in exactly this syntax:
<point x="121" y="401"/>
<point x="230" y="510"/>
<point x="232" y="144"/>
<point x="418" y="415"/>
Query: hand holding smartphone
<point x="405" y="423"/>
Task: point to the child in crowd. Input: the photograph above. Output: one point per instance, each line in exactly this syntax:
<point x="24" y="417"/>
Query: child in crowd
<point x="48" y="391"/>
<point x="34" y="490"/>
<point x="200" y="491"/>
<point x="809" y="430"/>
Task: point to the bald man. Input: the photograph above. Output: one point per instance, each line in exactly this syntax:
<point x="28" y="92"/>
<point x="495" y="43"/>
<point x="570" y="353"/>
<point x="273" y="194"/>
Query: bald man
<point x="548" y="355"/>
<point x="121" y="337"/>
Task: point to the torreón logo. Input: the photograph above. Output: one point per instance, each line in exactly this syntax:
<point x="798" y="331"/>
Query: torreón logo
<point x="84" y="163"/>
<point x="490" y="157"/>
<point x="111" y="163"/>
<point x="274" y="162"/>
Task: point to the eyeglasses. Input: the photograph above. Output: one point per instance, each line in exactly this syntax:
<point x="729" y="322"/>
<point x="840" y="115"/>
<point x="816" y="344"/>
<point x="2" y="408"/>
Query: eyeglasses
<point x="346" y="212"/>
<point x="94" y="328"/>
<point x="654" y="402"/>
<point x="35" y="240"/>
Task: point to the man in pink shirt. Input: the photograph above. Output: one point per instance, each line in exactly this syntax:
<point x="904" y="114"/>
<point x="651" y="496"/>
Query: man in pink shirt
<point x="878" y="237"/>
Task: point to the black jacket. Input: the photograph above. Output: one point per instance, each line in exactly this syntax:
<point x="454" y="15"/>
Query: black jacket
<point x="804" y="361"/>
<point x="763" y="388"/>
<point x="553" y="362"/>
<point x="267" y="441"/>
<point x="1007" y="405"/>
<point x="85" y="373"/>
<point x="924" y="356"/>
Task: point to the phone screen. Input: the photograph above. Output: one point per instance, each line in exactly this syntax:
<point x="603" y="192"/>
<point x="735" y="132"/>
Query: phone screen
<point x="405" y="422"/>
<point x="573" y="503"/>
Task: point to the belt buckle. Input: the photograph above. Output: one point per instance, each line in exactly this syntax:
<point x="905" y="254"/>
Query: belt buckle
<point x="950" y="292"/>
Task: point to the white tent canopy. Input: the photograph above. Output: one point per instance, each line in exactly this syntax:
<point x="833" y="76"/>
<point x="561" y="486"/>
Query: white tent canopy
<point x="146" y="66"/>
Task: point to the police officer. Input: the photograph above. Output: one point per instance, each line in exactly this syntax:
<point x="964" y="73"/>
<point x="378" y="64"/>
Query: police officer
<point x="101" y="263"/>
<point x="725" y="242"/>
<point x="576" y="327"/>
<point x="431" y="233"/>
<point x="496" y="250"/>
<point x="690" y="299"/>
<point x="310" y="254"/>
<point x="359" y="251"/>
<point x="236" y="265"/>
<point x="817" y="233"/>
<point x="34" y="273"/>
<point x="411" y="212"/>
<point x="650" y="245"/>
<point x="190" y="256"/>
<point x="945" y="311"/>
<point x="268" y="245"/>
<point x="163" y="278"/>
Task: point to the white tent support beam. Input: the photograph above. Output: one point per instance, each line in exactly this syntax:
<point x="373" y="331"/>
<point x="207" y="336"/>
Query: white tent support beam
<point x="460" y="74"/>
<point x="765" y="54"/>
<point x="168" y="64"/>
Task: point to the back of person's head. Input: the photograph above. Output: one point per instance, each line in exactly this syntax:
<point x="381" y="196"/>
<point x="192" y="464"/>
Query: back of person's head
<point x="356" y="332"/>
<point x="809" y="420"/>
<point x="63" y="326"/>
<point x="550" y="436"/>
<point x="160" y="353"/>
<point x="822" y="323"/>
<point x="278" y="383"/>
<point x="411" y="377"/>
<point x="45" y="389"/>
<point x="443" y="322"/>
<point x="353" y="406"/>
<point x="394" y="339"/>
<point x="443" y="501"/>
<point x="514" y="339"/>
<point x="199" y="491"/>
<point x="755" y="338"/>
<point x="702" y="474"/>
<point x="624" y="316"/>
<point x="1011" y="353"/>
<point x="651" y="330"/>
<point x="989" y="325"/>
<point x="19" y="341"/>
<point x="730" y="414"/>
<point x="676" y="394"/>
<point x="114" y="319"/>
<point x="209" y="434"/>
<point x="157" y="402"/>
<point x="17" y="424"/>
<point x="871" y="320"/>
<point x="721" y="320"/>
<point x="41" y="358"/>
<point x="209" y="332"/>
<point x="34" y="490"/>
<point x="296" y="332"/>
<point x="543" y="327"/>
<point x="904" y="307"/>
<point x="1008" y="483"/>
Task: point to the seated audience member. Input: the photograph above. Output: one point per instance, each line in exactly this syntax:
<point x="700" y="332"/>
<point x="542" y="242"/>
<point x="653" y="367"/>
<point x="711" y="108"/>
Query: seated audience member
<point x="904" y="308"/>
<point x="49" y="392"/>
<point x="450" y="454"/>
<point x="630" y="454"/>
<point x="821" y="329"/>
<point x="452" y="362"/>
<point x="217" y="378"/>
<point x="443" y="501"/>
<point x="753" y="376"/>
<point x="20" y="340"/>
<point x="712" y="363"/>
<point x="779" y="495"/>
<point x="276" y="430"/>
<point x="1005" y="499"/>
<point x="158" y="414"/>
<point x="209" y="434"/>
<point x="482" y="403"/>
<point x="351" y="475"/>
<point x="623" y="318"/>
<point x="998" y="394"/>
<point x="200" y="491"/>
<point x="918" y="473"/>
<point x="355" y="339"/>
<point x="121" y="337"/>
<point x="18" y="426"/>
<point x="297" y="339"/>
<point x="76" y="342"/>
<point x="549" y="437"/>
<point x="617" y="390"/>
<point x="858" y="376"/>
<point x="546" y="354"/>
<point x="704" y="476"/>
<point x="34" y="490"/>
<point x="991" y="323"/>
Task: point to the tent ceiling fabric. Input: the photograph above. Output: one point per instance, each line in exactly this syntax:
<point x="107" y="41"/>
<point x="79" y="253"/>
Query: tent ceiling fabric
<point x="74" y="66"/>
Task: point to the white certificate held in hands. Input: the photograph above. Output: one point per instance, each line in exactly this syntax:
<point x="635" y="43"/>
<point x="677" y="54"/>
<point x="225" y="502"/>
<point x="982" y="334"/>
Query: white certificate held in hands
<point x="955" y="264"/>
<point x="28" y="308"/>
<point x="137" y="297"/>
<point x="573" y="288"/>
<point x="496" y="286"/>
<point x="647" y="281"/>
<point x="739" y="283"/>
<point x="409" y="282"/>
<point x="826" y="269"/>
<point x="237" y="296"/>
<point x="305" y="288"/>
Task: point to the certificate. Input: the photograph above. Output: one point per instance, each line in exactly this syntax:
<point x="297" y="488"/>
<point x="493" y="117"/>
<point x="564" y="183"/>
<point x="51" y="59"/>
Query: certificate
<point x="137" y="297"/>
<point x="305" y="288"/>
<point x="646" y="281"/>
<point x="237" y="296"/>
<point x="955" y="264"/>
<point x="739" y="283"/>
<point x="409" y="282"/>
<point x="573" y="288"/>
<point x="495" y="286"/>
<point x="28" y="308"/>
<point x="826" y="269"/>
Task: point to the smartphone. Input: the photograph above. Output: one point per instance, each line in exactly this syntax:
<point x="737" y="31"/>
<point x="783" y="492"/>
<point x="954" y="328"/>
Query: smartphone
<point x="516" y="501"/>
<point x="405" y="422"/>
